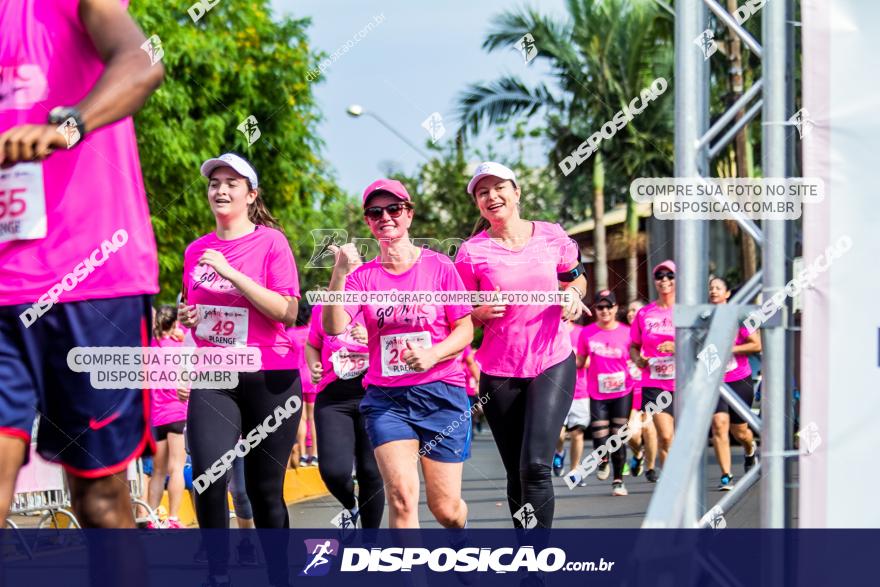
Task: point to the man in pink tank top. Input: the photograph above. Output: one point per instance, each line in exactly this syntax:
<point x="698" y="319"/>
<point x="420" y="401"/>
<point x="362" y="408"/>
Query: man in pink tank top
<point x="78" y="258"/>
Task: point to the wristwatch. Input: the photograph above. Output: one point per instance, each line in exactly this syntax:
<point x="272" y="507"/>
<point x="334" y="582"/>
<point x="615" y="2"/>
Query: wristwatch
<point x="60" y="114"/>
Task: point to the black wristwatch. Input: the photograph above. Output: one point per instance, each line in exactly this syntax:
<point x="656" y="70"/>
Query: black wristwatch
<point x="61" y="113"/>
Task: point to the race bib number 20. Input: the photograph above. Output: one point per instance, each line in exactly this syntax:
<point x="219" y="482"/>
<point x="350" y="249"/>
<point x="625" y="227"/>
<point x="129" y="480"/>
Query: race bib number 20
<point x="223" y="325"/>
<point x="393" y="346"/>
<point x="22" y="203"/>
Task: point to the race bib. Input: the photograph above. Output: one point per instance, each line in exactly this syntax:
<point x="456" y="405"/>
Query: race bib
<point x="348" y="365"/>
<point x="393" y="346"/>
<point x="731" y="364"/>
<point x="223" y="325"/>
<point x="22" y="203"/>
<point x="612" y="382"/>
<point x="662" y="367"/>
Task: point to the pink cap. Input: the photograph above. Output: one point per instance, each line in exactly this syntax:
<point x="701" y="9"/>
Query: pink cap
<point x="391" y="186"/>
<point x="668" y="264"/>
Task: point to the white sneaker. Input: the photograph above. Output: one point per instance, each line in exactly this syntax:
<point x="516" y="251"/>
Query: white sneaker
<point x="619" y="489"/>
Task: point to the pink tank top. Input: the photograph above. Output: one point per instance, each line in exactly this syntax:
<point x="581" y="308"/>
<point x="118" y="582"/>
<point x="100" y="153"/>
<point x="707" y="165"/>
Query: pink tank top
<point x="78" y="222"/>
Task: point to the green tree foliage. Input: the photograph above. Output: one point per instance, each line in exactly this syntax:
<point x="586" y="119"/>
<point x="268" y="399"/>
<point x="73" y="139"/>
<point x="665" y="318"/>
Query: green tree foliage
<point x="236" y="61"/>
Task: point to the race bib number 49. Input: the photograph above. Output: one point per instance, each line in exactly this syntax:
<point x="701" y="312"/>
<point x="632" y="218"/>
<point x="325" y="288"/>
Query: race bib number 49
<point x="22" y="203"/>
<point x="662" y="368"/>
<point x="348" y="365"/>
<point x="393" y="346"/>
<point x="223" y="325"/>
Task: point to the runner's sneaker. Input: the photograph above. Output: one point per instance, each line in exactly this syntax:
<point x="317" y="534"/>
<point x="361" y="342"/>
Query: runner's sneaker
<point x="751" y="459"/>
<point x="618" y="489"/>
<point x="726" y="483"/>
<point x="157" y="525"/>
<point x="637" y="465"/>
<point x="604" y="470"/>
<point x="247" y="554"/>
<point x="173" y="523"/>
<point x="651" y="475"/>
<point x="626" y="470"/>
<point x="559" y="463"/>
<point x="313" y="461"/>
<point x="303" y="462"/>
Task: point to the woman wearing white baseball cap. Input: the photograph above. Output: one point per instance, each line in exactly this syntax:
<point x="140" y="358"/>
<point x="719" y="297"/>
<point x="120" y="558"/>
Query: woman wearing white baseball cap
<point x="526" y="359"/>
<point x="241" y="289"/>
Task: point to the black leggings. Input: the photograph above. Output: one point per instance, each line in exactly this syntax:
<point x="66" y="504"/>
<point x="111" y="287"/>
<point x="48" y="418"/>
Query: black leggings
<point x="607" y="417"/>
<point x="215" y="420"/>
<point x="526" y="415"/>
<point x="344" y="440"/>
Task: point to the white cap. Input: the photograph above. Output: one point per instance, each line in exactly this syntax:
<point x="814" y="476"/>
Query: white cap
<point x="488" y="168"/>
<point x="232" y="160"/>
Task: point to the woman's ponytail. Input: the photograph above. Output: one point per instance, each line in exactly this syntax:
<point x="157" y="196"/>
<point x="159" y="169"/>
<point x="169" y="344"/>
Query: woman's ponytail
<point x="481" y="225"/>
<point x="259" y="214"/>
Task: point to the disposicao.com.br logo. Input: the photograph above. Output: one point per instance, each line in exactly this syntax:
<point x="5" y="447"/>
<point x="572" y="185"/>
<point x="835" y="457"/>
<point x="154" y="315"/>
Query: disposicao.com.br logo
<point x="443" y="560"/>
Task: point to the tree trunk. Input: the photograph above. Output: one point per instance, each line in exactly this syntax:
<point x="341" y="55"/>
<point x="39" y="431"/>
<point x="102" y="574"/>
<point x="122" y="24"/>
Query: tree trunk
<point x="599" y="244"/>
<point x="631" y="235"/>
<point x="743" y="169"/>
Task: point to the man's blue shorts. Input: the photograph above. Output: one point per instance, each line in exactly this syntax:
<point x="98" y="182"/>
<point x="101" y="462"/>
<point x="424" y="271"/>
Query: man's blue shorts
<point x="92" y="432"/>
<point x="436" y="414"/>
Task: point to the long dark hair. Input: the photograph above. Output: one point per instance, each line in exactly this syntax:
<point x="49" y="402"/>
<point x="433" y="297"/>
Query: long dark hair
<point x="258" y="213"/>
<point x="166" y="316"/>
<point x="479" y="226"/>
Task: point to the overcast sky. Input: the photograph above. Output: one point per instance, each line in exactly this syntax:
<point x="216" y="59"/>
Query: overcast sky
<point x="413" y="63"/>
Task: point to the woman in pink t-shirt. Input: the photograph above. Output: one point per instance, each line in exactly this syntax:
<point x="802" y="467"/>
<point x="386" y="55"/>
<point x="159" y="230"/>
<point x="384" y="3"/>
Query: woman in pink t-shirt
<point x="738" y="375"/>
<point x="528" y="371"/>
<point x="337" y="365"/>
<point x="603" y="348"/>
<point x="653" y="351"/>
<point x="168" y="420"/>
<point x="643" y="441"/>
<point x="304" y="454"/>
<point x="415" y="408"/>
<point x="472" y="386"/>
<point x="240" y="289"/>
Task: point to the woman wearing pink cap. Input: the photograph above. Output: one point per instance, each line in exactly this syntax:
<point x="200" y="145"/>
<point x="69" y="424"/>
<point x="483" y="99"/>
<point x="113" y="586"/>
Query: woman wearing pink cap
<point x="643" y="441"/>
<point x="240" y="289"/>
<point x="653" y="351"/>
<point x="738" y="375"/>
<point x="415" y="408"/>
<point x="528" y="368"/>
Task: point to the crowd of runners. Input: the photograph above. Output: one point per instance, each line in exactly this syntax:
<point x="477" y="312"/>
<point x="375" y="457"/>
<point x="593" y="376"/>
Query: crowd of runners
<point x="389" y="390"/>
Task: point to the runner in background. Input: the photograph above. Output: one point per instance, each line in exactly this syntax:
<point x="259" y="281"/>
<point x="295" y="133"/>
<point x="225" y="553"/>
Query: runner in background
<point x="62" y="286"/>
<point x="304" y="455"/>
<point x="643" y="441"/>
<point x="240" y="288"/>
<point x="603" y="348"/>
<point x="577" y="422"/>
<point x="472" y="386"/>
<point x="653" y="351"/>
<point x="337" y="365"/>
<point x="738" y="375"/>
<point x="415" y="407"/>
<point x="528" y="371"/>
<point x="169" y="420"/>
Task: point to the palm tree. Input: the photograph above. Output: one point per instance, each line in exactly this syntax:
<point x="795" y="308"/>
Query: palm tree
<point x="600" y="60"/>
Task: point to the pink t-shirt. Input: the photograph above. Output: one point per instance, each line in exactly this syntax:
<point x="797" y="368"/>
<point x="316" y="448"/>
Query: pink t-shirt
<point x="470" y="383"/>
<point x="738" y="366"/>
<point x="580" y="386"/>
<point x="528" y="339"/>
<point x="341" y="356"/>
<point x="226" y="317"/>
<point x="608" y="350"/>
<point x="58" y="212"/>
<point x="425" y="324"/>
<point x="653" y="325"/>
<point x="166" y="407"/>
<point x="298" y="336"/>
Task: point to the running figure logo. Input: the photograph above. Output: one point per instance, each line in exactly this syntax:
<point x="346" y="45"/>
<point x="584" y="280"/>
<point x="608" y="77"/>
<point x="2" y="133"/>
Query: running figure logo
<point x="706" y="42"/>
<point x="322" y="256"/>
<point x="809" y="439"/>
<point x="709" y="357"/>
<point x="69" y="131"/>
<point x="318" y="562"/>
<point x="714" y="518"/>
<point x="526" y="516"/>
<point x="526" y="46"/>
<point x="153" y="48"/>
<point x="249" y="129"/>
<point x="801" y="119"/>
<point x="434" y="125"/>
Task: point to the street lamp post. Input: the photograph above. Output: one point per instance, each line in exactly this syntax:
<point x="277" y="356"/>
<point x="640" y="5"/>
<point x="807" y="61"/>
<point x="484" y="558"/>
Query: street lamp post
<point x="356" y="110"/>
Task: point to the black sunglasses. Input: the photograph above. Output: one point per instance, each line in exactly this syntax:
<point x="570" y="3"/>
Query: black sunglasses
<point x="394" y="211"/>
<point x="661" y="274"/>
<point x="604" y="307"/>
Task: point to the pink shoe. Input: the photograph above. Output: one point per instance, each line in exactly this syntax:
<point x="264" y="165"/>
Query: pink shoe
<point x="173" y="523"/>
<point x="158" y="525"/>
